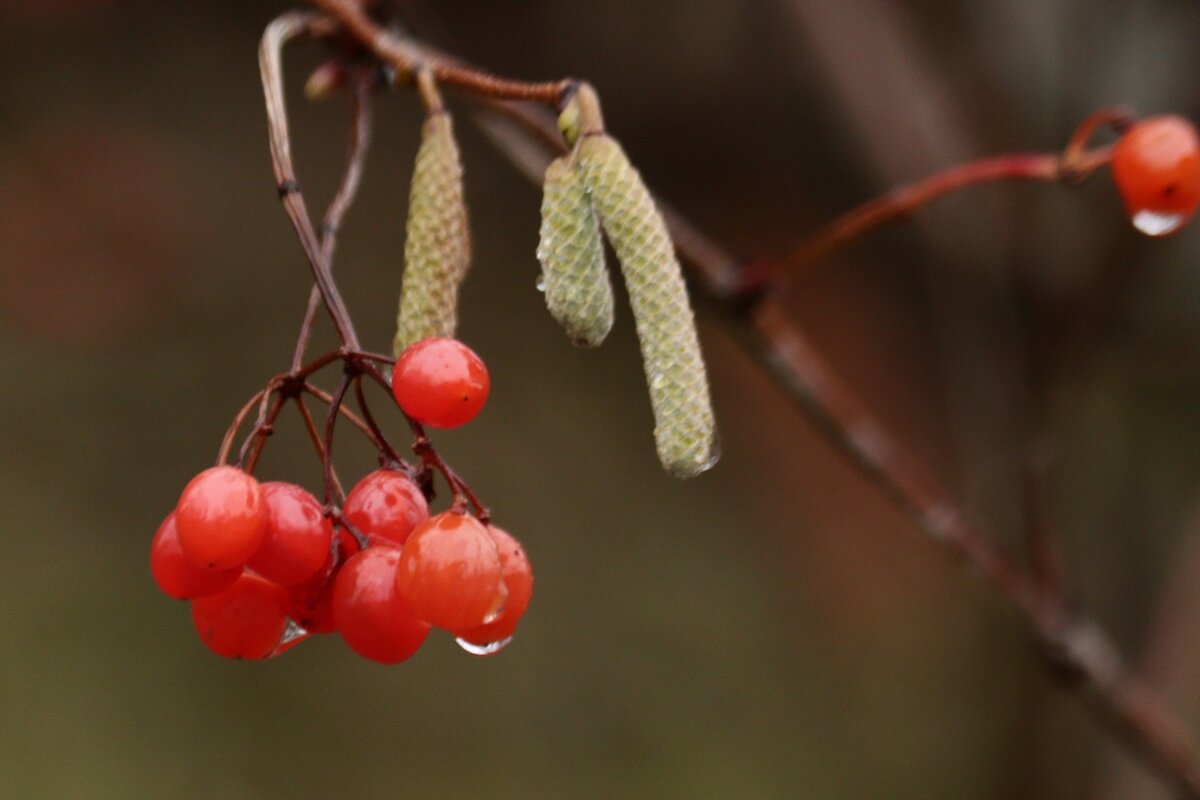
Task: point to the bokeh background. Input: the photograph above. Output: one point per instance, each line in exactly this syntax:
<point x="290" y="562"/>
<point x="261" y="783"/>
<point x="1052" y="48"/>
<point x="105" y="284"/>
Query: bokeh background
<point x="773" y="629"/>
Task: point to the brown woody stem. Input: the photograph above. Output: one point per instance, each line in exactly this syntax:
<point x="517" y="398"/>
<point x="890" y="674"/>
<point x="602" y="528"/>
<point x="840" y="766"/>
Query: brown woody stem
<point x="406" y="57"/>
<point x="1085" y="658"/>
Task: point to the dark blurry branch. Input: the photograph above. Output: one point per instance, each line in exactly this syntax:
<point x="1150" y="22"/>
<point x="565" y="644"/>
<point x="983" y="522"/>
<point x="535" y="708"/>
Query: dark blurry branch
<point x="1081" y="654"/>
<point x="1041" y="536"/>
<point x="1171" y="658"/>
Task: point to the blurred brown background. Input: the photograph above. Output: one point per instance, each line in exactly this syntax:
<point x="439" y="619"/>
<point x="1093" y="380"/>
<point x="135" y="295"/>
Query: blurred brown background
<point x="773" y="629"/>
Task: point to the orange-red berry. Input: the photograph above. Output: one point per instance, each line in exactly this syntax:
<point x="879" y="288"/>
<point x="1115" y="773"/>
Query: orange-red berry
<point x="221" y="518"/>
<point x="450" y="573"/>
<point x="177" y="575"/>
<point x="518" y="580"/>
<point x="1156" y="166"/>
<point x="385" y="504"/>
<point x="247" y="620"/>
<point x="297" y="542"/>
<point x="440" y="382"/>
<point x="370" y="614"/>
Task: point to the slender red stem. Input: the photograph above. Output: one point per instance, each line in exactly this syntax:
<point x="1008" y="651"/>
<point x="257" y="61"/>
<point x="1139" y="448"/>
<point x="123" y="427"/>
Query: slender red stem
<point x="904" y="200"/>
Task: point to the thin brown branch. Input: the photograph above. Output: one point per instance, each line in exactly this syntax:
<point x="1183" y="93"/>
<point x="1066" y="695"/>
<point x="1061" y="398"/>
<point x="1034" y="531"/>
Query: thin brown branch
<point x="361" y="118"/>
<point x="386" y="450"/>
<point x="314" y="435"/>
<point x="354" y="419"/>
<point x="332" y="489"/>
<point x="236" y="424"/>
<point x="265" y="425"/>
<point x="278" y="33"/>
<point x="1084" y="657"/>
<point x="1042" y="543"/>
<point x="406" y="57"/>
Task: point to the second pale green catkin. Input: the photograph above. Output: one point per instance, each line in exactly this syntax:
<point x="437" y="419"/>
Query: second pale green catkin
<point x="684" y="431"/>
<point x="437" y="248"/>
<point x="574" y="278"/>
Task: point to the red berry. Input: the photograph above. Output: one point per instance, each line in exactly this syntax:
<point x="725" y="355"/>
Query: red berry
<point x="450" y="573"/>
<point x="310" y="605"/>
<point x="298" y="538"/>
<point x="384" y="505"/>
<point x="370" y="615"/>
<point x="1156" y="166"/>
<point x="440" y="382"/>
<point x="247" y="620"/>
<point x="518" y="579"/>
<point x="221" y="517"/>
<point x="176" y="575"/>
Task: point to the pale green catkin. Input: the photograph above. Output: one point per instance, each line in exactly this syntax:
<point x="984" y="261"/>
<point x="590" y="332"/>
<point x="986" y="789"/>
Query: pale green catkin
<point x="437" y="250"/>
<point x="685" y="431"/>
<point x="578" y="291"/>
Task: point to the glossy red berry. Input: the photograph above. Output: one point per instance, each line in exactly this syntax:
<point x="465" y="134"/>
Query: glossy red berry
<point x="247" y="620"/>
<point x="1156" y="166"/>
<point x="221" y="518"/>
<point x="450" y="573"/>
<point x="370" y="615"/>
<point x="384" y="505"/>
<point x="518" y="580"/>
<point x="310" y="605"/>
<point x="440" y="382"/>
<point x="298" y="538"/>
<point x="177" y="575"/>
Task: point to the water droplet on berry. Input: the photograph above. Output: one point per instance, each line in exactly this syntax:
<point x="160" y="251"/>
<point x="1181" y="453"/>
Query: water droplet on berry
<point x="541" y="283"/>
<point x="1157" y="223"/>
<point x="291" y="633"/>
<point x="483" y="649"/>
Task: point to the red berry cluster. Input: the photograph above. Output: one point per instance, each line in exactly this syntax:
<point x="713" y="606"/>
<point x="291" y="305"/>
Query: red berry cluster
<point x="265" y="565"/>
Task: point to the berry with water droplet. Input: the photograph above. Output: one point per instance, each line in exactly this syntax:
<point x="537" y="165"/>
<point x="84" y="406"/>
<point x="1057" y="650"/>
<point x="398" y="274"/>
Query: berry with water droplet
<point x="450" y="573"/>
<point x="440" y="382"/>
<point x="221" y="518"/>
<point x="371" y="616"/>
<point x="296" y="544"/>
<point x="1156" y="166"/>
<point x="177" y="575"/>
<point x="518" y="580"/>
<point x="247" y="620"/>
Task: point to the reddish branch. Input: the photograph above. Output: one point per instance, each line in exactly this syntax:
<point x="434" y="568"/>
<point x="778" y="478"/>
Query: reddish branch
<point x="405" y="57"/>
<point x="1083" y="656"/>
<point x="903" y="200"/>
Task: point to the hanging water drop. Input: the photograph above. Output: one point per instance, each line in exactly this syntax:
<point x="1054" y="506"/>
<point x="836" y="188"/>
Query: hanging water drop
<point x="541" y="283"/>
<point x="293" y="634"/>
<point x="1157" y="223"/>
<point x="483" y="649"/>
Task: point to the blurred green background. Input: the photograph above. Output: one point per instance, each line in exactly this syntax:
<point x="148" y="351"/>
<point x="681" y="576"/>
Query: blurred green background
<point x="773" y="629"/>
